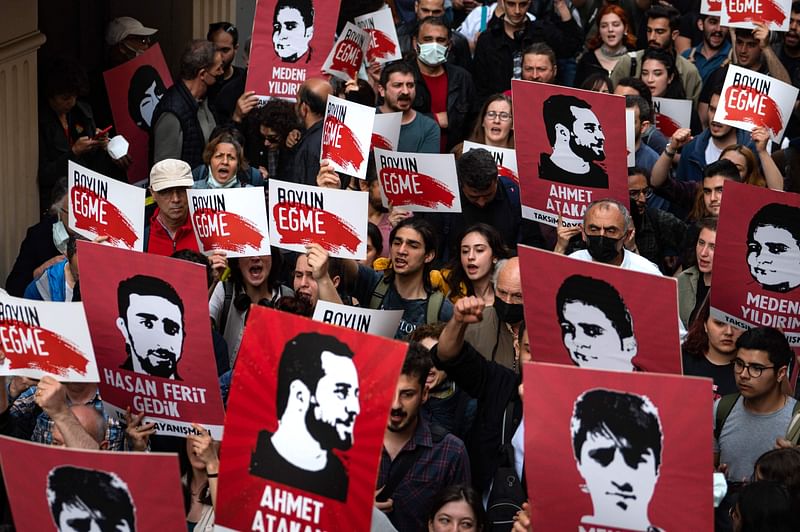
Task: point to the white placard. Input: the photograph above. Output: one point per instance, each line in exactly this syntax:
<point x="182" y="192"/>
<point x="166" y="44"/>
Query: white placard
<point x="233" y="220"/>
<point x="672" y="114"/>
<point x="347" y="135"/>
<point x="386" y="130"/>
<point x="378" y="322"/>
<point x="407" y="181"/>
<point x="630" y="135"/>
<point x="384" y="45"/>
<point x="743" y="13"/>
<point x="344" y="60"/>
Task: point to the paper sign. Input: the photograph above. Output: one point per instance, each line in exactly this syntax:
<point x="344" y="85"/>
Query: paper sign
<point x="598" y="316"/>
<point x="743" y="13"/>
<point x="344" y="60"/>
<point x="750" y="99"/>
<point x="134" y="89"/>
<point x="383" y="45"/>
<point x="672" y="115"/>
<point x="630" y="135"/>
<point x="386" y="130"/>
<point x="45" y="338"/>
<point x="378" y="322"/>
<point x="291" y="39"/>
<point x="506" y="159"/>
<point x="148" y="317"/>
<point x="346" y="136"/>
<point x="757" y="260"/>
<point x="55" y="488"/>
<point x="711" y="7"/>
<point x="613" y="451"/>
<point x="101" y="206"/>
<point x="407" y="181"/>
<point x="571" y="150"/>
<point x="265" y="484"/>
<point x="334" y="219"/>
<point x="232" y="220"/>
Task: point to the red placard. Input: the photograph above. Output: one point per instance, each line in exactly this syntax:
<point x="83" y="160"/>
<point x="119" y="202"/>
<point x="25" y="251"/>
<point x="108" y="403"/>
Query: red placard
<point x="134" y="89"/>
<point x="614" y="451"/>
<point x="291" y="39"/>
<point x="290" y="468"/>
<point x="48" y="485"/>
<point x="148" y="317"/>
<point x="597" y="316"/>
<point x="757" y="260"/>
<point x="571" y="150"/>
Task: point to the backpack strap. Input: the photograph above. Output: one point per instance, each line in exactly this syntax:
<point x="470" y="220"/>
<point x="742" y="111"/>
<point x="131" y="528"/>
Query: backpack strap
<point x="226" y="306"/>
<point x="634" y="64"/>
<point x="724" y="408"/>
<point x="434" y="306"/>
<point x="438" y="432"/>
<point x="378" y="293"/>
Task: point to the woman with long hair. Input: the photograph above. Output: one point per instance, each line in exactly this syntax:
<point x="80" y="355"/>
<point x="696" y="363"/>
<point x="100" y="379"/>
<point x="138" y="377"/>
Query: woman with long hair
<point x="457" y="507"/>
<point x="613" y="39"/>
<point x="661" y="75"/>
<point x="757" y="169"/>
<point x="495" y="124"/>
<point x="473" y="263"/>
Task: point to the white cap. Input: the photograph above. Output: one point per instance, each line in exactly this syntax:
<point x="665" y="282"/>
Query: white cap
<point x="121" y="27"/>
<point x="170" y="173"/>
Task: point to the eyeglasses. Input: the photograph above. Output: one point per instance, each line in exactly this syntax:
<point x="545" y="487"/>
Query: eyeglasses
<point x="272" y="139"/>
<point x="647" y="191"/>
<point x="754" y="370"/>
<point x="491" y="115"/>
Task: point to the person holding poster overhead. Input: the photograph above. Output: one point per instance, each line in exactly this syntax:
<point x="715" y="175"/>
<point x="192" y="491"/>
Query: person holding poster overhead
<point x="311" y="98"/>
<point x="418" y="133"/>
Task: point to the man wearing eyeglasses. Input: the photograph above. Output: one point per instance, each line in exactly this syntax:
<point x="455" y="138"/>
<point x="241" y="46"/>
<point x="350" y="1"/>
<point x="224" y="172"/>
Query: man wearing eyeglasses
<point x="761" y="410"/>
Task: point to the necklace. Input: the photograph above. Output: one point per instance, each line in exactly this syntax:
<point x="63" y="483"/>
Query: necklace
<point x="608" y="52"/>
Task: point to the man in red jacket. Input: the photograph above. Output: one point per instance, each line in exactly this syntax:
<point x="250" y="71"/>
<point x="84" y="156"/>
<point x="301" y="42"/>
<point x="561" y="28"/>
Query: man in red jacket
<point x="169" y="229"/>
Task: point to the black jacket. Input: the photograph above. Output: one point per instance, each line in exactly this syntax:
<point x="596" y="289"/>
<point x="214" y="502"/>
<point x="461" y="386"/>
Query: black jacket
<point x="459" y="51"/>
<point x="180" y="102"/>
<point x="305" y="163"/>
<point x="35" y="250"/>
<point x="493" y="63"/>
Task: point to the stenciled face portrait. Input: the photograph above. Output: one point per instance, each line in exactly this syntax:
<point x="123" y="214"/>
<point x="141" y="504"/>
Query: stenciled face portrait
<point x="85" y="500"/>
<point x="592" y="340"/>
<point x="145" y="91"/>
<point x="587" y="138"/>
<point x="291" y="36"/>
<point x="335" y="403"/>
<point x="773" y="256"/>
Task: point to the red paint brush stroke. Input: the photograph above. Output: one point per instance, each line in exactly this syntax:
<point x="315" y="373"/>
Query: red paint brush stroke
<point x="380" y="45"/>
<point x="507" y="172"/>
<point x="772" y="118"/>
<point x="349" y="69"/>
<point x="379" y="141"/>
<point x="770" y="12"/>
<point x="241" y="232"/>
<point x="715" y="6"/>
<point x="118" y="228"/>
<point x="666" y="125"/>
<point x="349" y="152"/>
<point x="433" y="192"/>
<point x="338" y="232"/>
<point x="64" y="356"/>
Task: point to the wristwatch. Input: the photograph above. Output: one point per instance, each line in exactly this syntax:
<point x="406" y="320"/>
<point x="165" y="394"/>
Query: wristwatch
<point x="669" y="153"/>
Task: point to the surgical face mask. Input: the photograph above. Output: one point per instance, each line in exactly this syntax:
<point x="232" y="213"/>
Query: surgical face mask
<point x="60" y="237"/>
<point x="508" y="312"/>
<point x="602" y="248"/>
<point x="432" y="53"/>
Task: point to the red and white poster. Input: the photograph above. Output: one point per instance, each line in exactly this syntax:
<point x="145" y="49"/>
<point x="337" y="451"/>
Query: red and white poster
<point x="744" y="13"/>
<point x="672" y="115"/>
<point x="101" y="206"/>
<point x="571" y="150"/>
<point x="344" y="60"/>
<point x="45" y="338"/>
<point x="134" y="90"/>
<point x="418" y="182"/>
<point x="291" y="39"/>
<point x="384" y="45"/>
<point x="711" y="7"/>
<point x="630" y="135"/>
<point x="613" y="451"/>
<point x="506" y="159"/>
<point x="334" y="219"/>
<point x="597" y="316"/>
<point x="757" y="260"/>
<point x="304" y="430"/>
<point x="55" y="488"/>
<point x="346" y="136"/>
<point x="233" y="220"/>
<point x="378" y="322"/>
<point x="386" y="130"/>
<point x="750" y="99"/>
<point x="148" y="317"/>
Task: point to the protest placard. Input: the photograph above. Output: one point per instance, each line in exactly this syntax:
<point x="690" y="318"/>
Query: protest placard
<point x="630" y="135"/>
<point x="672" y="115"/>
<point x="344" y="60"/>
<point x="233" y="220"/>
<point x="45" y="338"/>
<point x="378" y="322"/>
<point x="407" y="181"/>
<point x="506" y="158"/>
<point x="334" y="219"/>
<point x="383" y="45"/>
<point x="386" y="130"/>
<point x="711" y="7"/>
<point x="303" y="381"/>
<point x="346" y="136"/>
<point x="744" y="13"/>
<point x="148" y="317"/>
<point x="598" y="316"/>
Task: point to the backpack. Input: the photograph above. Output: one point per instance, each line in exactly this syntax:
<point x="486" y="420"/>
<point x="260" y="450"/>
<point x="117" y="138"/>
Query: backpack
<point x="433" y="305"/>
<point x="507" y="494"/>
<point x="725" y="407"/>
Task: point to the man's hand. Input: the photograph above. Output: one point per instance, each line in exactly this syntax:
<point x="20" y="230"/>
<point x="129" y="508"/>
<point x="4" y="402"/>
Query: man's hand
<point x="397" y="215"/>
<point x="562" y="10"/>
<point x="293" y="138"/>
<point x="327" y="176"/>
<point x="86" y="144"/>
<point x="51" y="396"/>
<point x="317" y="259"/>
<point x="761" y="34"/>
<point x="564" y="234"/>
<point x="42" y="267"/>
<point x="219" y="263"/>
<point x="246" y="103"/>
<point x="123" y="162"/>
<point x="783" y="443"/>
<point x="760" y="137"/>
<point x="204" y="448"/>
<point x="18" y="385"/>
<point x="469" y="309"/>
<point x="387" y="506"/>
<point x="138" y="433"/>
<point x="680" y="138"/>
<point x="630" y="241"/>
<point x="522" y="521"/>
<point x="441" y="119"/>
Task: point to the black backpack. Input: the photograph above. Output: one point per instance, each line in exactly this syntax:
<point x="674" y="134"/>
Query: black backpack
<point x="507" y="494"/>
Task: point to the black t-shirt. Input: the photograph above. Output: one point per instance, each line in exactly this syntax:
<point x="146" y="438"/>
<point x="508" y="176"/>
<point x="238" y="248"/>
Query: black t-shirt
<point x="700" y="366"/>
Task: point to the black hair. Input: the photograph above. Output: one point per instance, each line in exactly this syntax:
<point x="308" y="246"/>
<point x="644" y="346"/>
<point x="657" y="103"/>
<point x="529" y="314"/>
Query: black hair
<point x="429" y="240"/>
<point x="427" y="330"/>
<point x="796" y="6"/>
<point x="59" y="190"/>
<point x="632" y="420"/>
<point x="540" y="48"/>
<point x="724" y="168"/>
<point x="314" y="101"/>
<point x="102" y="492"/>
<point x="768" y="339"/>
<point x="434" y="21"/>
<point x="638" y="170"/>
<point x="593" y="82"/>
<point x="198" y="55"/>
<point x="227" y="27"/>
<point x="674" y="87"/>
<point x="667" y="12"/>
<point x="395" y="67"/>
<point x="145" y="285"/>
<point x="477" y="169"/>
<point x="65" y="75"/>
<point x="780" y="465"/>
<point x="141" y="81"/>
<point x="302" y="360"/>
<point x="417" y="363"/>
<point x="189" y="255"/>
<point x="557" y="110"/>
<point x="304" y="7"/>
<point x="278" y="115"/>
<point x="72" y="246"/>
<point x="599" y="294"/>
<point x="766" y="506"/>
<point x="776" y="215"/>
<point x="457" y="493"/>
<point x="458" y="275"/>
<point x="374" y="235"/>
<point x="645" y="111"/>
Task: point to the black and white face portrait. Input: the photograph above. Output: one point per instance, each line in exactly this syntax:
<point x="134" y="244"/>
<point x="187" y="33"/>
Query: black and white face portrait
<point x="144" y="93"/>
<point x="773" y="247"/>
<point x="85" y="500"/>
<point x="617" y="442"/>
<point x="292" y="29"/>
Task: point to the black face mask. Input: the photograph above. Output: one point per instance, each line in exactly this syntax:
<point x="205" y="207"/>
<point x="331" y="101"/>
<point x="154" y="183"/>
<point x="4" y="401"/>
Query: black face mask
<point x="602" y="248"/>
<point x="508" y="312"/>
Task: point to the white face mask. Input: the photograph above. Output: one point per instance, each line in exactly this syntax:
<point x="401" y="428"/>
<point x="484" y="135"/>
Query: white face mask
<point x="432" y="53"/>
<point x="60" y="237"/>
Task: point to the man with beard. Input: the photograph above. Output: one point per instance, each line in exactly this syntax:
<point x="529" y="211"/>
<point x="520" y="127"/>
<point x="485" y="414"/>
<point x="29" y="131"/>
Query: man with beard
<point x="317" y="405"/>
<point x="310" y="108"/>
<point x="418" y="460"/>
<point x="151" y="322"/>
<point x="789" y="51"/>
<point x="223" y="94"/>
<point x="712" y="52"/>
<point x="577" y="139"/>
<point x="418" y="133"/>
